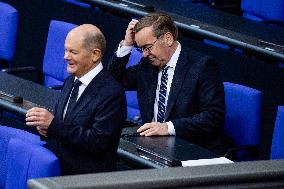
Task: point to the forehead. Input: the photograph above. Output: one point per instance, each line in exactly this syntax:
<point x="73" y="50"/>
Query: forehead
<point x="73" y="40"/>
<point x="145" y="36"/>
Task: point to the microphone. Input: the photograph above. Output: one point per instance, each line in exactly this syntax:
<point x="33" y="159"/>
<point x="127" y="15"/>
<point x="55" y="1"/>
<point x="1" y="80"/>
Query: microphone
<point x="18" y="99"/>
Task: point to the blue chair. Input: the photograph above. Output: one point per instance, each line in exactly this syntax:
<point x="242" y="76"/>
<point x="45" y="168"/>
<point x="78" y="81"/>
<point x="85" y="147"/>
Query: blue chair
<point x="54" y="65"/>
<point x="133" y="112"/>
<point x="268" y="11"/>
<point x="277" y="146"/>
<point x="6" y="133"/>
<point x="8" y="33"/>
<point x="27" y="161"/>
<point x="242" y="120"/>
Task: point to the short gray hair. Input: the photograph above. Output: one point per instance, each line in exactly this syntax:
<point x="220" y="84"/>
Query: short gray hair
<point x="94" y="40"/>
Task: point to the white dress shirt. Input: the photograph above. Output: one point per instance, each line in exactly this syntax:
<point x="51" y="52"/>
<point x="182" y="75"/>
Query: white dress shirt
<point x="125" y="50"/>
<point x="85" y="79"/>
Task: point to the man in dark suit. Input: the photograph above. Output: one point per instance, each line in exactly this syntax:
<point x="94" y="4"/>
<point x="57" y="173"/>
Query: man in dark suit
<point x="179" y="90"/>
<point x="87" y="123"/>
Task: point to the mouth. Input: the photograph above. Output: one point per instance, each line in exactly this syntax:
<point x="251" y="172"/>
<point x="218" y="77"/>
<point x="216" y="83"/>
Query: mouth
<point x="70" y="64"/>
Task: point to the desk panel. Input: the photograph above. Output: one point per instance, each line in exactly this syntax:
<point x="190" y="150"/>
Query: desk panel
<point x="158" y="151"/>
<point x="32" y="94"/>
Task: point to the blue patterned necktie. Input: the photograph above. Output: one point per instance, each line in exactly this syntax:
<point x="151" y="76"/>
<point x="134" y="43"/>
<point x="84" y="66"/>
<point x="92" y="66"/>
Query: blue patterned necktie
<point x="162" y="95"/>
<point x="73" y="97"/>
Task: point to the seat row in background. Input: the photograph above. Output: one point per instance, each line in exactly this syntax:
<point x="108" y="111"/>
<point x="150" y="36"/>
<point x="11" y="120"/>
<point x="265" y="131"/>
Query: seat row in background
<point x="265" y="11"/>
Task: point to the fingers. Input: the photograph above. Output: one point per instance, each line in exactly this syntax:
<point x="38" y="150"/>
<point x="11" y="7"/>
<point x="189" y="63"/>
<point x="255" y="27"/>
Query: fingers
<point x="38" y="117"/>
<point x="132" y="24"/>
<point x="148" y="129"/>
<point x="154" y="128"/>
<point x="41" y="131"/>
<point x="129" y="35"/>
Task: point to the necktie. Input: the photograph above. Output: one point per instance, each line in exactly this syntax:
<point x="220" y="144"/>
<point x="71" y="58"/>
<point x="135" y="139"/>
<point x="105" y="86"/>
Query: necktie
<point x="162" y="95"/>
<point x="73" y="97"/>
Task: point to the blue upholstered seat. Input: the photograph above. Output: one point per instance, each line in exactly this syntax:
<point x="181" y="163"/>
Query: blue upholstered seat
<point x="6" y="133"/>
<point x="264" y="10"/>
<point x="8" y="33"/>
<point x="242" y="119"/>
<point x="277" y="146"/>
<point x="133" y="111"/>
<point x="54" y="65"/>
<point x="26" y="161"/>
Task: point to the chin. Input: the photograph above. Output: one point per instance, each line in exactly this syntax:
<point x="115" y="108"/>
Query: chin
<point x="157" y="63"/>
<point x="71" y="71"/>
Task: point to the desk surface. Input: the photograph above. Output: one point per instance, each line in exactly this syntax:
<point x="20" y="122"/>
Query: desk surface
<point x="32" y="93"/>
<point x="159" y="151"/>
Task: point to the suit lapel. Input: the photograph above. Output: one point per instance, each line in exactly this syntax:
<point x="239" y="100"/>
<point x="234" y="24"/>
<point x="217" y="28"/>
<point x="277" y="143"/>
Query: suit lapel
<point x="181" y="70"/>
<point x="89" y="94"/>
<point x="151" y="93"/>
<point x="64" y="96"/>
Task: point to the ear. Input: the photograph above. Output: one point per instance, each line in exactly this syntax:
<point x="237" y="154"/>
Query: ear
<point x="169" y="39"/>
<point x="96" y="55"/>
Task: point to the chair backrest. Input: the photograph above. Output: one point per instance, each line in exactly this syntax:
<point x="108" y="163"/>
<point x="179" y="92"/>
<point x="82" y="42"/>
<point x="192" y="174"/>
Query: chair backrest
<point x="260" y="10"/>
<point x="54" y="65"/>
<point x="243" y="114"/>
<point x="77" y="2"/>
<point x="8" y="32"/>
<point x="277" y="146"/>
<point x="131" y="96"/>
<point x="26" y="161"/>
<point x="6" y="133"/>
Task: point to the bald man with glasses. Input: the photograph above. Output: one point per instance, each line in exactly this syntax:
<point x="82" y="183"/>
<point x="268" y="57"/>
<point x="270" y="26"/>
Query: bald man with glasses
<point x="179" y="90"/>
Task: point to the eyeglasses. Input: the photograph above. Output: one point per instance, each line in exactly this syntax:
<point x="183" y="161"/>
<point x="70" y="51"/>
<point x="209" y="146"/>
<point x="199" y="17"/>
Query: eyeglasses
<point x="147" y="48"/>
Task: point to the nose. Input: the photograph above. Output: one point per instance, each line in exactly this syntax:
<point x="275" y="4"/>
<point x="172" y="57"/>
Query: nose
<point x="66" y="55"/>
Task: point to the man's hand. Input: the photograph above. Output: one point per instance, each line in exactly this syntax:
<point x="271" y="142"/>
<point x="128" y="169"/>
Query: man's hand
<point x="154" y="128"/>
<point x="129" y="34"/>
<point x="39" y="118"/>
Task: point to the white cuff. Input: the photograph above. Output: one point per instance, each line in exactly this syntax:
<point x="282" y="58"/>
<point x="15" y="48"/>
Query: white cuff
<point x="123" y="50"/>
<point x="171" y="128"/>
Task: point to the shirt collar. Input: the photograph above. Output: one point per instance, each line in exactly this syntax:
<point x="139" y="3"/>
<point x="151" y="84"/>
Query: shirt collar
<point x="90" y="75"/>
<point x="173" y="61"/>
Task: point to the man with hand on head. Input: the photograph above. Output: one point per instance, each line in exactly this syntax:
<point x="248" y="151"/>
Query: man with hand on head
<point x="89" y="114"/>
<point x="179" y="90"/>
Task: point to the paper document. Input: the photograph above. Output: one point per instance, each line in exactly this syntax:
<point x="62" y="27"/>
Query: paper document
<point x="198" y="162"/>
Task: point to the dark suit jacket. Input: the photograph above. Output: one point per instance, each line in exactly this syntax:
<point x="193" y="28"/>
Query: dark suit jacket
<point x="87" y="140"/>
<point x="196" y="104"/>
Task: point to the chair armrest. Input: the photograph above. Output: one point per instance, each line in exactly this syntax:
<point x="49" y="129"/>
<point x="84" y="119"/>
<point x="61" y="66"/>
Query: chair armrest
<point x="251" y="153"/>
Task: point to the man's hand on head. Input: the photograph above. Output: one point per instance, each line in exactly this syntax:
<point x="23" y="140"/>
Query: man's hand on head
<point x="129" y="34"/>
<point x="153" y="128"/>
<point x="39" y="118"/>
